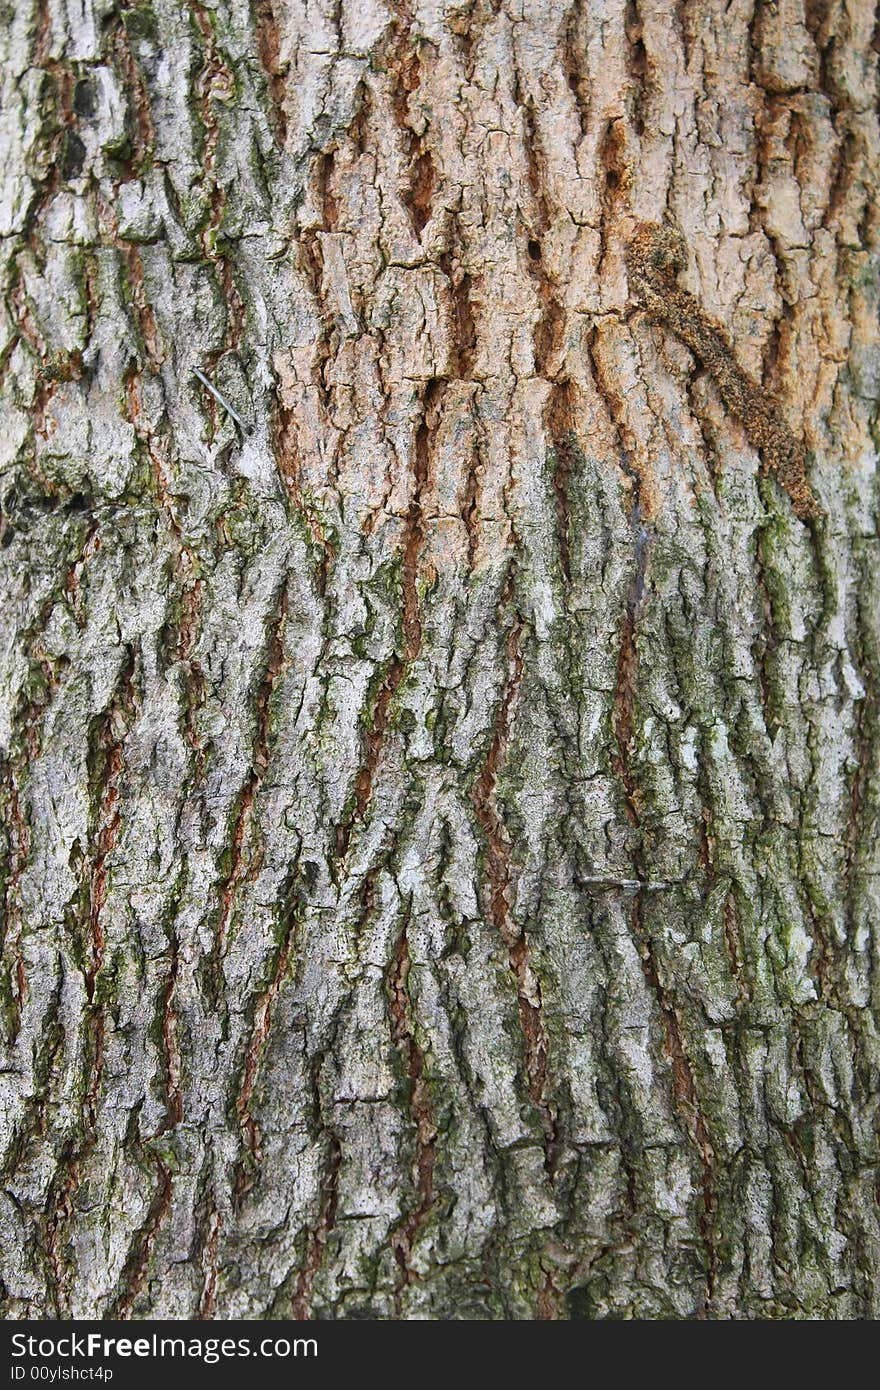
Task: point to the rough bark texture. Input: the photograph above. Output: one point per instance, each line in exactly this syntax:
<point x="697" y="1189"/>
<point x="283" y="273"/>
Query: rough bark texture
<point x="441" y="824"/>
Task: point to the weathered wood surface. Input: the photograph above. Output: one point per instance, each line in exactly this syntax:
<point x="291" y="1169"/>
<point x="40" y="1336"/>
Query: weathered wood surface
<point x="441" y="825"/>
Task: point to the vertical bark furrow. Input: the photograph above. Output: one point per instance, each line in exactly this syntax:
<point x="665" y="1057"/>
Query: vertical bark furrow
<point x="240" y="860"/>
<point x="424" y="1124"/>
<point x="262" y="1022"/>
<point x="499" y="884"/>
<point x="137" y="1262"/>
<point x="318" y="1237"/>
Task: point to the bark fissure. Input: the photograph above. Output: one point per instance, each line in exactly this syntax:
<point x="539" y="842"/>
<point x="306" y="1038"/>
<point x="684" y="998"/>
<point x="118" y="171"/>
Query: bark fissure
<point x="240" y="859"/>
<point x="108" y="760"/>
<point x="499" y="883"/>
<point x="261" y="1025"/>
<point x="425" y="1140"/>
<point x="411" y="626"/>
<point x="134" y="1273"/>
<point x="683" y="1086"/>
<point x="318" y="1237"/>
<point x="268" y="33"/>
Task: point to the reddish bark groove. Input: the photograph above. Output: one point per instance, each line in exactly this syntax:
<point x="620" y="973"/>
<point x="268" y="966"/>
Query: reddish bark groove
<point x="19" y="849"/>
<point x="860" y="781"/>
<point x="239" y="868"/>
<point x="268" y="36"/>
<point x="576" y="65"/>
<point x="404" y="1236"/>
<point x="413" y="541"/>
<point x="638" y="64"/>
<point x="216" y="78"/>
<point x="42" y="34"/>
<point x="683" y="1087"/>
<point x="470" y="503"/>
<point x="363" y="787"/>
<point x="547" y="1304"/>
<point x="614" y="169"/>
<point x="464" y="338"/>
<point x="414" y="535"/>
<point x="734" y="949"/>
<point x="300" y="1307"/>
<point x="110" y="762"/>
<point x="561" y="415"/>
<point x="172" y="1059"/>
<point x="632" y="461"/>
<point x="133" y="84"/>
<point x="310" y="260"/>
<point x="208" y="1303"/>
<point x="134" y="1274"/>
<point x="256" y="1044"/>
<point x="310" y="263"/>
<point x="403" y="66"/>
<point x="549" y="332"/>
<point x="624" y="700"/>
<point x="30" y="722"/>
<point x="145" y="318"/>
<point x="498" y="875"/>
<point x="463" y="347"/>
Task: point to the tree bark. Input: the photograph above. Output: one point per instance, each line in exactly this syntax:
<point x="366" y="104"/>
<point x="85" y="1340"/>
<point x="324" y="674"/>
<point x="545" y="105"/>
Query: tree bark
<point x="440" y="804"/>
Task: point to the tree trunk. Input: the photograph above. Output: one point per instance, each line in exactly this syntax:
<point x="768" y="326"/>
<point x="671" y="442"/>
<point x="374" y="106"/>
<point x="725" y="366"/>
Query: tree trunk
<point x="441" y="791"/>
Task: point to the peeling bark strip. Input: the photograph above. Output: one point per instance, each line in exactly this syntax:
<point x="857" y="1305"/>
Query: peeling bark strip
<point x="440" y="844"/>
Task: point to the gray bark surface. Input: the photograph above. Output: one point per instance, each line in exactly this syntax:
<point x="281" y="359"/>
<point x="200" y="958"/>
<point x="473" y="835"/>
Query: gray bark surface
<point x="440" y="823"/>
